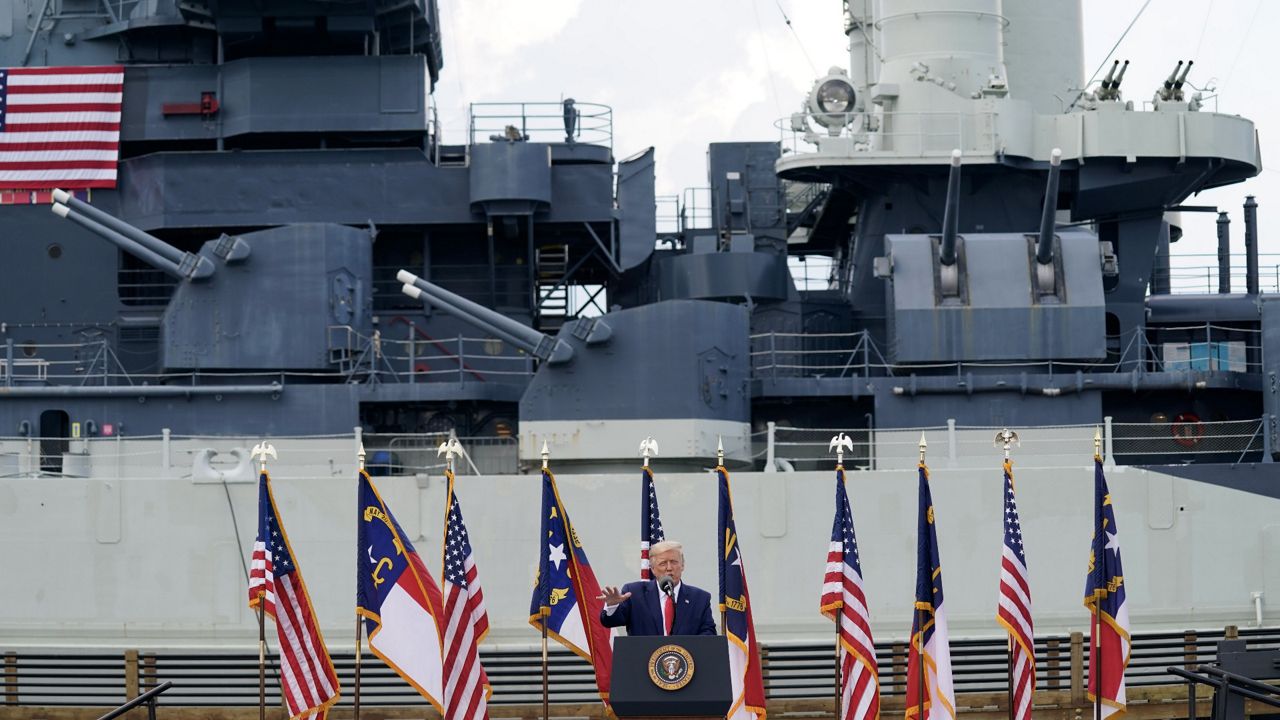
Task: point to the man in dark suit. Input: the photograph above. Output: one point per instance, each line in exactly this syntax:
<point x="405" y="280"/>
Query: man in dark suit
<point x="644" y="609"/>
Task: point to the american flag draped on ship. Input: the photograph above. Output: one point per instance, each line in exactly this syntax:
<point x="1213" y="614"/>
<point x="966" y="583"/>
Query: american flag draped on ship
<point x="843" y="601"/>
<point x="650" y="521"/>
<point x="60" y="127"/>
<point x="307" y="678"/>
<point x="1104" y="595"/>
<point x="1014" y="607"/>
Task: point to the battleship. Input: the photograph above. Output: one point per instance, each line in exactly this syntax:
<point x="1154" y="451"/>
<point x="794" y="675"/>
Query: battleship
<point x="294" y="248"/>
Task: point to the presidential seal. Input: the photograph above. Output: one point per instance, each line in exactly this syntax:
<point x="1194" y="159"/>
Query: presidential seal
<point x="671" y="667"/>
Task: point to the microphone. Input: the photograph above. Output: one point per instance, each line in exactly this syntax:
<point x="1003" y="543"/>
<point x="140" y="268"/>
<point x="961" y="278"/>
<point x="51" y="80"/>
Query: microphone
<point x="666" y="584"/>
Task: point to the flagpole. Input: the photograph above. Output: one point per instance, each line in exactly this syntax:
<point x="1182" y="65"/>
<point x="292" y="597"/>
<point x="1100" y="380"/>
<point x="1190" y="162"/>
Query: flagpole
<point x="724" y="628"/>
<point x="449" y="448"/>
<point x="546" y="701"/>
<point x="262" y="660"/>
<point x="261" y="451"/>
<point x="839" y="442"/>
<point x="920" y="665"/>
<point x="1097" y="606"/>
<point x="1007" y="437"/>
<point x="360" y="455"/>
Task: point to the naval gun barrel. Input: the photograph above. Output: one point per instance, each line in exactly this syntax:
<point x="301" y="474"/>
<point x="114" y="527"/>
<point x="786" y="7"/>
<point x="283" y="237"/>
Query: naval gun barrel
<point x="1106" y="81"/>
<point x="546" y="348"/>
<point x="1120" y="78"/>
<point x="144" y="246"/>
<point x="1173" y="77"/>
<point x="1044" y="246"/>
<point x="1177" y="84"/>
<point x="951" y="215"/>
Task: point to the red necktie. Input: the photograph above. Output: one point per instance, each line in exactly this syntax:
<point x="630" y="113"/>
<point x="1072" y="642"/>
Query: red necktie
<point x="668" y="613"/>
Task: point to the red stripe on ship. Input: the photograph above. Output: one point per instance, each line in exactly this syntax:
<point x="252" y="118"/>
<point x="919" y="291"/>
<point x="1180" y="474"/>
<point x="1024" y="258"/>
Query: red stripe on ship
<point x="64" y="107"/>
<point x="51" y="146"/>
<point x="74" y="88"/>
<point x="67" y="70"/>
<point x="79" y="184"/>
<point x="61" y="127"/>
<point x="57" y="165"/>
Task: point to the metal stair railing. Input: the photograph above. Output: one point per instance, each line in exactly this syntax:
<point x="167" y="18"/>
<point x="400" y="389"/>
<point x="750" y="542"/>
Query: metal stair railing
<point x="147" y="698"/>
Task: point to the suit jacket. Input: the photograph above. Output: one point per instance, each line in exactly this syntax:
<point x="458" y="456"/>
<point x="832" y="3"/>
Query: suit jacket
<point x="641" y="613"/>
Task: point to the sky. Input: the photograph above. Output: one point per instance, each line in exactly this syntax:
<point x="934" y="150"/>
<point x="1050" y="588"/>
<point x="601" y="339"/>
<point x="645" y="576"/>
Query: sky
<point x="680" y="75"/>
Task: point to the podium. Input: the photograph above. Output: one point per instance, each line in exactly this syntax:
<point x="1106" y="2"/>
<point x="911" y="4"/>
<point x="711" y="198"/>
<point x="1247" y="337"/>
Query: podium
<point x="682" y="676"/>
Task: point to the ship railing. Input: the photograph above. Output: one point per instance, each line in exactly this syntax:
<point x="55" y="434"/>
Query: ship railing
<point x="418" y="454"/>
<point x="926" y="135"/>
<point x="539" y="122"/>
<point x="1203" y="347"/>
<point x="796" y="675"/>
<point x="416" y="356"/>
<point x="1197" y="273"/>
<point x="838" y="355"/>
<point x="1167" y="440"/>
<point x="695" y="209"/>
<point x="103" y="449"/>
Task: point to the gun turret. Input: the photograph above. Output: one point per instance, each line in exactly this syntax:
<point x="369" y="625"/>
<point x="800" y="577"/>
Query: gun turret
<point x="148" y="248"/>
<point x="546" y="348"/>
<point x="1110" y="88"/>
<point x="951" y="215"/>
<point x="1171" y="90"/>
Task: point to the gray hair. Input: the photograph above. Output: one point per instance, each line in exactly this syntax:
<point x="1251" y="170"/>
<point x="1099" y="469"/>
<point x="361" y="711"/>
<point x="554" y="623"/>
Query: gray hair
<point x="664" y="546"/>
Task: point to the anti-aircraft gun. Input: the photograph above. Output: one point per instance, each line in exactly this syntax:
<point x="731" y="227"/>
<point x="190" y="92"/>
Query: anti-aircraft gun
<point x="605" y="381"/>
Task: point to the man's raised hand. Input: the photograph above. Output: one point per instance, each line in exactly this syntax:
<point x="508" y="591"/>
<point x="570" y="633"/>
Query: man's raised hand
<point x="611" y="596"/>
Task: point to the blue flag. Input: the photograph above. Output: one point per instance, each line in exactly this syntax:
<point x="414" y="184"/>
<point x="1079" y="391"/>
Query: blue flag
<point x="735" y="603"/>
<point x="1104" y="595"/>
<point x="929" y="659"/>
<point x="566" y="596"/>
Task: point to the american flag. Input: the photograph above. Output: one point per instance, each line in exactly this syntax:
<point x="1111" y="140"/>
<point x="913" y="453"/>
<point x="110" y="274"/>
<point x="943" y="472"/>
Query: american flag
<point x="1014" y="608"/>
<point x="735" y="603"/>
<point x="1104" y="595"/>
<point x="650" y="521"/>
<point x="466" y="686"/>
<point x="307" y="678"/>
<point x="60" y="126"/>
<point x="930" y="692"/>
<point x="843" y="601"/>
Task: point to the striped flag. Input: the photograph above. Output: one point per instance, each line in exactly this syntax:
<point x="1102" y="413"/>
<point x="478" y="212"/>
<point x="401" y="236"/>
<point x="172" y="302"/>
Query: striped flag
<point x="930" y="695"/>
<point x="60" y="126"/>
<point x="1014" y="608"/>
<point x="397" y="597"/>
<point x="844" y="602"/>
<point x="735" y="603"/>
<point x="566" y="596"/>
<point x="650" y="521"/>
<point x="466" y="686"/>
<point x="307" y="678"/>
<point x="1104" y="595"/>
